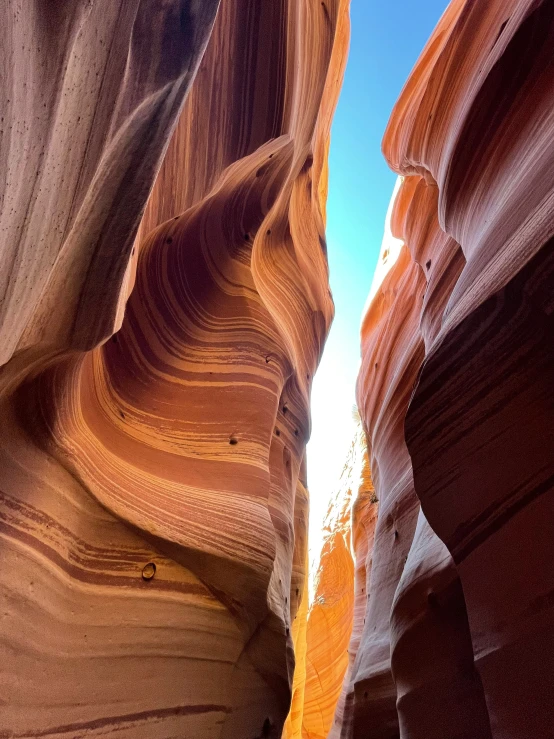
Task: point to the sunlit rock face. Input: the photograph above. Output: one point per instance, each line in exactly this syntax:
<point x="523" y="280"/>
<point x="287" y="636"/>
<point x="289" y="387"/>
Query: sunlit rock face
<point x="155" y="375"/>
<point x="456" y="393"/>
<point x="363" y="520"/>
<point x="323" y="656"/>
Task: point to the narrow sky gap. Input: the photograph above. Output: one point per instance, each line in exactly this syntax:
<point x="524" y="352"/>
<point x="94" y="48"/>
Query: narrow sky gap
<point x="386" y="41"/>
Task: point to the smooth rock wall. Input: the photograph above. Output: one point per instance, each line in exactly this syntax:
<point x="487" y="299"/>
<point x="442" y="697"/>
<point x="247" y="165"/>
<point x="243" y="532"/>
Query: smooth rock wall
<point x="456" y="393"/>
<point x="156" y="375"/>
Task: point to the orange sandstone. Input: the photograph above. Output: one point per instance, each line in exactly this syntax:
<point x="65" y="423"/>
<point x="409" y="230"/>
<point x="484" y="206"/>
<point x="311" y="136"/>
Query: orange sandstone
<point x="155" y="376"/>
<point x="456" y="394"/>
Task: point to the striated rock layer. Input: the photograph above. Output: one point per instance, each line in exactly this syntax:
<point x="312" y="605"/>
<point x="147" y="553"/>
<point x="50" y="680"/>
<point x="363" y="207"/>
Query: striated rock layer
<point x="155" y="375"/>
<point x="456" y="392"/>
<point x="328" y="635"/>
<point x="363" y="520"/>
<point x="329" y="618"/>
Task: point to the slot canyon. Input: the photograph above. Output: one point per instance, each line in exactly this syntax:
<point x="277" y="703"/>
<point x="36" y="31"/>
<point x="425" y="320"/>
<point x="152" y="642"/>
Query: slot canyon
<point x="164" y="307"/>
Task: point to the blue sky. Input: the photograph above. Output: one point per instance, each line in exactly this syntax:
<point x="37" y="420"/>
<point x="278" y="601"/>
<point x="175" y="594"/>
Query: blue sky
<point x="386" y="40"/>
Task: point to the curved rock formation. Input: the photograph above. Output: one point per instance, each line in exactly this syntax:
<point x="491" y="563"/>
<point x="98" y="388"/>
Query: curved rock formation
<point x="329" y="633"/>
<point x="92" y="94"/>
<point x="330" y="615"/>
<point x="457" y="342"/>
<point x="391" y="355"/>
<point x="164" y="302"/>
<point x="299" y="608"/>
<point x="153" y="496"/>
<point x="363" y="520"/>
<point x="490" y="368"/>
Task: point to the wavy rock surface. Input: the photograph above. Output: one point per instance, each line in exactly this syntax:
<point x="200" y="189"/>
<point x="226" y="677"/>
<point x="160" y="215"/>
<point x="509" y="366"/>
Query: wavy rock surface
<point x="363" y="521"/>
<point x="328" y="635"/>
<point x="457" y="393"/>
<point x="391" y="355"/>
<point x="330" y="615"/>
<point x="152" y="486"/>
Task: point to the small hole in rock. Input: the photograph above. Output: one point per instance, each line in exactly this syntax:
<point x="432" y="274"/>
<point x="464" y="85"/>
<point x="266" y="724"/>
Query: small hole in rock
<point x="169" y="240"/>
<point x="277" y="432"/>
<point x="433" y="600"/>
<point x="428" y="264"/>
<point x="246" y="237"/>
<point x="122" y="414"/>
<point x="266" y="728"/>
<point x="296" y="432"/>
<point x="268" y="232"/>
<point x="148" y="571"/>
<point x="395" y="534"/>
<point x="233" y="441"/>
<point x="288" y="631"/>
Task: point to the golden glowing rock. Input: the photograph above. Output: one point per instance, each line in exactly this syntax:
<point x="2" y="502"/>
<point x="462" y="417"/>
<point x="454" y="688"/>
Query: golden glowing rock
<point x="330" y="616"/>
<point x="326" y="646"/>
<point x="364" y="518"/>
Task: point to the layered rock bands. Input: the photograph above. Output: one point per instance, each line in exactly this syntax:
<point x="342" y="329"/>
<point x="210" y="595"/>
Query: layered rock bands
<point x="329" y="632"/>
<point x="158" y="343"/>
<point x="164" y="302"/>
<point x="456" y="393"/>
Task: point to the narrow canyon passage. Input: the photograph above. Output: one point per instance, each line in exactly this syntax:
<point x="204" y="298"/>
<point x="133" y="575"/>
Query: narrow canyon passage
<point x="165" y="303"/>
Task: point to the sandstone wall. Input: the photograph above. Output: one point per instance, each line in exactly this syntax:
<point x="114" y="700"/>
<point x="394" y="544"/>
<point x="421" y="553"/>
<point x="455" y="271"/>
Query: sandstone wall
<point x="330" y="615"/>
<point x="457" y="394"/>
<point x="155" y="376"/>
